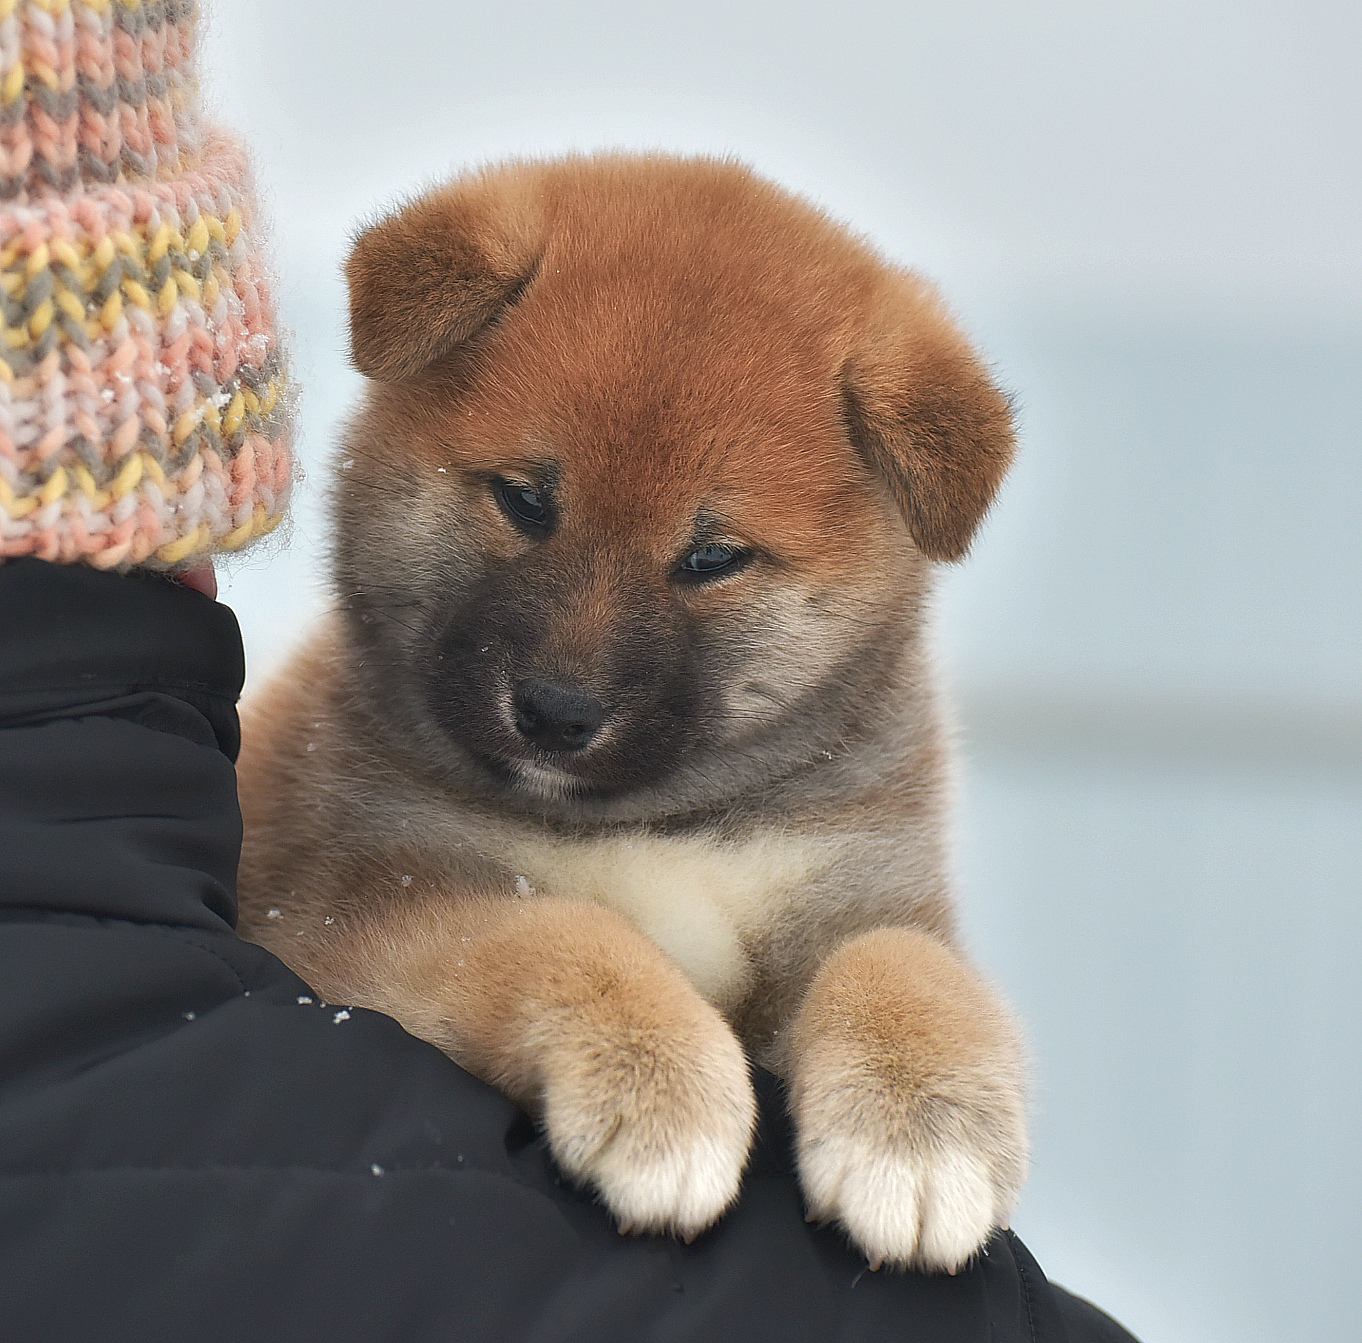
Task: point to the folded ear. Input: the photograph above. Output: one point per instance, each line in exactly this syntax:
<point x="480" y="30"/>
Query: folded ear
<point x="425" y="279"/>
<point x="925" y="415"/>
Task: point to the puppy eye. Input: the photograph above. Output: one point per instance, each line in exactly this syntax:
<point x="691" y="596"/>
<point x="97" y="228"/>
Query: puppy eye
<point x="524" y="505"/>
<point x="712" y="560"/>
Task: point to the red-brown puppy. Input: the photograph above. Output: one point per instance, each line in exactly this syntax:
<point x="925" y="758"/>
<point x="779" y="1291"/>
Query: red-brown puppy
<point x="620" y="761"/>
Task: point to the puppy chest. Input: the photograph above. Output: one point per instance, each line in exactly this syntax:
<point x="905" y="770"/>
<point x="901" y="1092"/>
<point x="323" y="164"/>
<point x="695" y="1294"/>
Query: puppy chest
<point x="700" y="901"/>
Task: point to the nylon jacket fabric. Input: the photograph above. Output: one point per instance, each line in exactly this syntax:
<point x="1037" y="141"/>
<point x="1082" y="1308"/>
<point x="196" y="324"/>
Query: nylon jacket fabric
<point x="193" y="1147"/>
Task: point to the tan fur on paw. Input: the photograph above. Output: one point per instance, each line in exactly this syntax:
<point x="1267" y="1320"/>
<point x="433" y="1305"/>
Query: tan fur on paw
<point x="660" y="1126"/>
<point x="907" y="1102"/>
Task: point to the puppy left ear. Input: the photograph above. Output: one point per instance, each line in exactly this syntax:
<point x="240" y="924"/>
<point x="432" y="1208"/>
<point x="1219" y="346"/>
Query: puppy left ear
<point x="925" y="416"/>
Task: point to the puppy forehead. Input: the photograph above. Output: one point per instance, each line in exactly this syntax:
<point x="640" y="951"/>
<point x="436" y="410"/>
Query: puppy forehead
<point x="656" y="403"/>
<point x="661" y="459"/>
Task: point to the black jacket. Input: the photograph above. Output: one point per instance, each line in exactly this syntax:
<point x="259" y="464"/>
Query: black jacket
<point x="192" y="1147"/>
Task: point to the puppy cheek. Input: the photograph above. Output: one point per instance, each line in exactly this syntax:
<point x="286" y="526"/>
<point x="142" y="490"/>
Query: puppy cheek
<point x="394" y="554"/>
<point x="786" y="656"/>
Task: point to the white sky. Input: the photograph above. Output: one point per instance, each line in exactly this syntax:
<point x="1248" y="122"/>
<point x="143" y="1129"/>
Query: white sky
<point x="1163" y="143"/>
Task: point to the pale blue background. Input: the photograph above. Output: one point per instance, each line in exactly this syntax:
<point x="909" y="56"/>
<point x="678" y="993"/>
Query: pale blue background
<point x="1149" y="214"/>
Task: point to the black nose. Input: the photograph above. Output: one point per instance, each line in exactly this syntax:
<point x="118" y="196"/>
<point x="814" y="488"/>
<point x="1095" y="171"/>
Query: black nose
<point x="556" y="717"/>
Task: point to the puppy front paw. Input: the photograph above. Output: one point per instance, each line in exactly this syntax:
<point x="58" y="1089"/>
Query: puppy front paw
<point x="907" y="1099"/>
<point x="911" y="1192"/>
<point x="659" y="1118"/>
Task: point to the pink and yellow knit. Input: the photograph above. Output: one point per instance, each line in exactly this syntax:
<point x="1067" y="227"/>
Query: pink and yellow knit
<point x="143" y="405"/>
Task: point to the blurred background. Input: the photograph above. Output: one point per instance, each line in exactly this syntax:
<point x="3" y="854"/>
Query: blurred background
<point x="1148" y="214"/>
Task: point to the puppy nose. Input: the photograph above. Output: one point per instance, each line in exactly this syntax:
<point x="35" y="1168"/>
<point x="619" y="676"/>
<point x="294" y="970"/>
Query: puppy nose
<point x="556" y="717"/>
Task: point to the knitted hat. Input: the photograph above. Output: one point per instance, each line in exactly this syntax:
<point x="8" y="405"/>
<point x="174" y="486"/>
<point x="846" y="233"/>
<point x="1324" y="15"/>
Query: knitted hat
<point x="143" y="407"/>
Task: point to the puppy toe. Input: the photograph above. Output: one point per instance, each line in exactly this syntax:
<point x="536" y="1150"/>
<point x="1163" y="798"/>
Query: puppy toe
<point x="683" y="1190"/>
<point x="901" y="1206"/>
<point x="663" y="1141"/>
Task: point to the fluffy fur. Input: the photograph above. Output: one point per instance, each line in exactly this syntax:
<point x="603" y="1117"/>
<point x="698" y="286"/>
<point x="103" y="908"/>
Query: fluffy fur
<point x="590" y="381"/>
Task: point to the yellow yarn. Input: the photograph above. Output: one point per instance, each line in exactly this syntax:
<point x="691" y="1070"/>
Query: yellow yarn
<point x="153" y="468"/>
<point x="236" y="412"/>
<point x="176" y="551"/>
<point x="98" y="498"/>
<point x="186" y="425"/>
<point x="16" y="507"/>
<point x="41" y="319"/>
<point x="13" y="87"/>
<point x="54" y="489"/>
<point x="128" y="477"/>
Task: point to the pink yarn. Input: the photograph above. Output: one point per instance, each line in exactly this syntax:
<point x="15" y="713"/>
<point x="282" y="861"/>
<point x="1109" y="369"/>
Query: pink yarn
<point x="144" y="399"/>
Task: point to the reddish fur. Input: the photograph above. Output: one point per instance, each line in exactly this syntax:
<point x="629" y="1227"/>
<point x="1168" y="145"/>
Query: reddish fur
<point x="693" y="266"/>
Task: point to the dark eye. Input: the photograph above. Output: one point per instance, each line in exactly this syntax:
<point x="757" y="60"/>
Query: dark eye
<point x="712" y="560"/>
<point x="524" y="505"/>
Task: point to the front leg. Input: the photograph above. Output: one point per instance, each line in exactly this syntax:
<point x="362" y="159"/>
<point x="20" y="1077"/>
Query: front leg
<point x="906" y="1092"/>
<point x="641" y="1085"/>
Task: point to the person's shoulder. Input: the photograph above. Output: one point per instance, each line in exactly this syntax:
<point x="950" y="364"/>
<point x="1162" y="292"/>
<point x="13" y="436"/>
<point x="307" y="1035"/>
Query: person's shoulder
<point x="278" y="1166"/>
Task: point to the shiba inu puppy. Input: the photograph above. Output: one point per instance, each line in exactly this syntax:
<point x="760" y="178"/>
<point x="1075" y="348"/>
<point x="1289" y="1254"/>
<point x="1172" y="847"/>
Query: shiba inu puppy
<point x="619" y="763"/>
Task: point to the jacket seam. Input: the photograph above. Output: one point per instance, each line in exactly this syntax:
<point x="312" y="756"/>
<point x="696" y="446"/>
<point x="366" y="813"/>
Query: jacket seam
<point x="58" y="693"/>
<point x="229" y="1169"/>
<point x="197" y="938"/>
<point x="1027" y="1297"/>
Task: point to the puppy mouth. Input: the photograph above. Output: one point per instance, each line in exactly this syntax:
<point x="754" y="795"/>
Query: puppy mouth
<point x="548" y="782"/>
<point x="610" y="767"/>
<point x="540" y="774"/>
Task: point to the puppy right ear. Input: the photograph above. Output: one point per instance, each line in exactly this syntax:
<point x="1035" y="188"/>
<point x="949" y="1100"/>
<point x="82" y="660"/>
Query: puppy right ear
<point x="925" y="415"/>
<point x="423" y="280"/>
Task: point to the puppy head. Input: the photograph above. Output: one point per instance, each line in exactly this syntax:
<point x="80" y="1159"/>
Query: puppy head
<point x="644" y="492"/>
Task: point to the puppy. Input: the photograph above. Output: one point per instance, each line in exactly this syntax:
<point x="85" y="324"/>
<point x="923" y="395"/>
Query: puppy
<point x="620" y="763"/>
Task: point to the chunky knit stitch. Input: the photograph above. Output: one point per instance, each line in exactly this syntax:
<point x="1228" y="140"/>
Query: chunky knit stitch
<point x="143" y="393"/>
